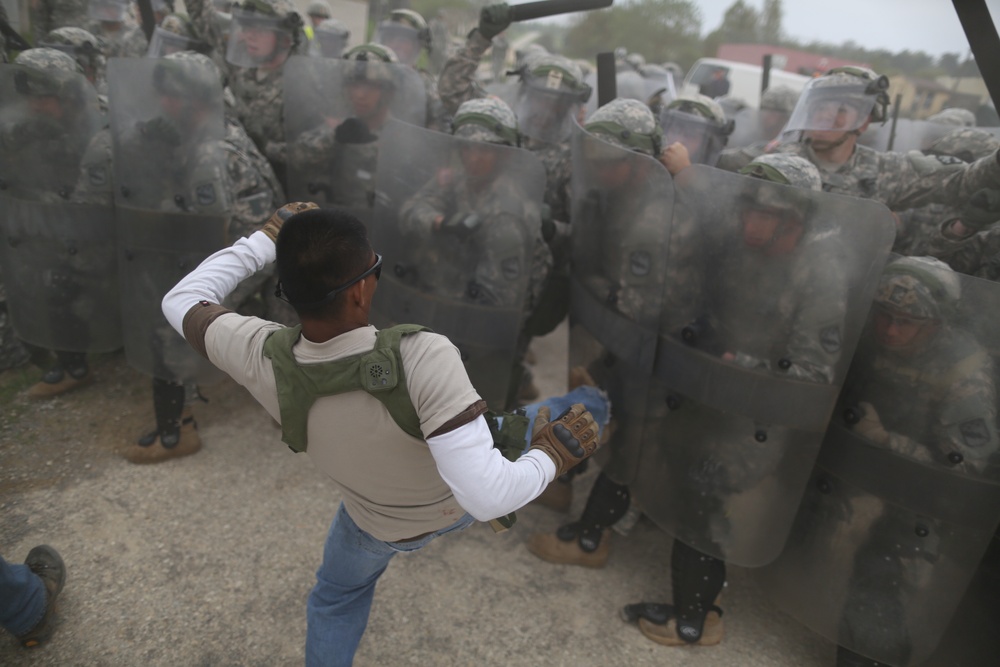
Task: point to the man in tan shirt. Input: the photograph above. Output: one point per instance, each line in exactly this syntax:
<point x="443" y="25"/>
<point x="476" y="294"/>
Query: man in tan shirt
<point x="406" y="443"/>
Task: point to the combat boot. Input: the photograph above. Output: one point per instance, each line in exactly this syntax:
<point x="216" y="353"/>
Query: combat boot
<point x="659" y="623"/>
<point x="46" y="563"/>
<point x="59" y="381"/>
<point x="156" y="446"/>
<point x="554" y="549"/>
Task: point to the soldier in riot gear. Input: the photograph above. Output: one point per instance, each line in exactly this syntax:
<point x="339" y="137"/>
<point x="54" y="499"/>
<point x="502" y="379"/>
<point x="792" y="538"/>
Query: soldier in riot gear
<point x="835" y="109"/>
<point x="476" y="234"/>
<point x="187" y="180"/>
<point x="695" y="130"/>
<point x="263" y="34"/>
<point x="330" y="38"/>
<point x="174" y="34"/>
<point x="112" y="21"/>
<point x="340" y="108"/>
<point x="407" y="34"/>
<point x="900" y="510"/>
<point x="755" y="129"/>
<point x="86" y="48"/>
<point x="54" y="113"/>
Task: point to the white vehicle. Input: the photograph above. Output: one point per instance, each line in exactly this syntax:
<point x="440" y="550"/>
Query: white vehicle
<point x="744" y="79"/>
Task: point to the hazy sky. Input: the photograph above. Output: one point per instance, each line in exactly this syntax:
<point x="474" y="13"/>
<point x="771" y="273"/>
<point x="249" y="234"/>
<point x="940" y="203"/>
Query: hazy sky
<point x="918" y="25"/>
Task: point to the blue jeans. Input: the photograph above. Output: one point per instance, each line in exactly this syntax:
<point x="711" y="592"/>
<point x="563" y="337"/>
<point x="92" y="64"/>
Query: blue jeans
<point x="22" y="598"/>
<point x="339" y="604"/>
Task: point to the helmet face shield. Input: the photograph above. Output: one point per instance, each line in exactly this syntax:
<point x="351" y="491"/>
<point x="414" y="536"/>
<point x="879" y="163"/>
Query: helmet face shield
<point x="841" y="108"/>
<point x="703" y="138"/>
<point x="256" y="39"/>
<point x="330" y="44"/>
<point x="165" y="42"/>
<point x="544" y="113"/>
<point x="401" y="38"/>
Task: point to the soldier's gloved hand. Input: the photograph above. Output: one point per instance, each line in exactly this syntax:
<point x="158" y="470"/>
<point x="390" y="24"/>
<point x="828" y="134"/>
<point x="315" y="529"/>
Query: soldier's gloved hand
<point x="568" y="440"/>
<point x="494" y="19"/>
<point x="870" y="426"/>
<point x="161" y="130"/>
<point x="982" y="210"/>
<point x="461" y="224"/>
<point x="277" y="219"/>
<point x="353" y="131"/>
<point x="33" y="130"/>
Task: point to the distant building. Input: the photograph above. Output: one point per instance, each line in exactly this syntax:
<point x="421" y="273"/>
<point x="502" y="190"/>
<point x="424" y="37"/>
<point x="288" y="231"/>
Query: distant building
<point x="790" y="60"/>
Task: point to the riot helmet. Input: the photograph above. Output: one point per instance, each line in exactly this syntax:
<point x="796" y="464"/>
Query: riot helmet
<point x="954" y="116"/>
<point x="485" y="123"/>
<point x="700" y="124"/>
<point x="81" y="45"/>
<point x="774" y="219"/>
<point x="318" y="11"/>
<point x="621" y="124"/>
<point x="915" y="296"/>
<point x="406" y="33"/>
<point x="190" y="88"/>
<point x="841" y="101"/>
<point x="174" y="34"/>
<point x="371" y="80"/>
<point x="331" y="37"/>
<point x="51" y="81"/>
<point x="550" y="94"/>
<point x="263" y="33"/>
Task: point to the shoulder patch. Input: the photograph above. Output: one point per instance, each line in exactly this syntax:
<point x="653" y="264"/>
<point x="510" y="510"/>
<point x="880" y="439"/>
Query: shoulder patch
<point x="829" y="338"/>
<point x="97" y="175"/>
<point x="640" y="263"/>
<point x="205" y="194"/>
<point x="975" y="433"/>
<point x="511" y="268"/>
<point x="949" y="159"/>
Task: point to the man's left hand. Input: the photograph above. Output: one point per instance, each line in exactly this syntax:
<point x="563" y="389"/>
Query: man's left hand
<point x="277" y="219"/>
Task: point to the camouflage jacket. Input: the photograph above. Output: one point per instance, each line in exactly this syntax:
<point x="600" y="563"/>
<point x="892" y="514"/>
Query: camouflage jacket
<point x="977" y="255"/>
<point x="903" y="180"/>
<point x="47" y="15"/>
<point x="457" y="81"/>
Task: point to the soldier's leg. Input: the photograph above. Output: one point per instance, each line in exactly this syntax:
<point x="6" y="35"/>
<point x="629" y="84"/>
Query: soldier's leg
<point x="586" y="541"/>
<point x="69" y="372"/>
<point x="176" y="432"/>
<point x="694" y="618"/>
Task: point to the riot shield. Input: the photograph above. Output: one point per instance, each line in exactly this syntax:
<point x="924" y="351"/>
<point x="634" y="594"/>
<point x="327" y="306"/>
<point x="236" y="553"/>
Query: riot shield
<point x="768" y="292"/>
<point x="320" y="94"/>
<point x="703" y="138"/>
<point x="751" y="126"/>
<point x="58" y="257"/>
<point x="622" y="202"/>
<point x="905" y="135"/>
<point x="545" y="111"/>
<point x="171" y="199"/>
<point x="457" y="222"/>
<point x="896" y="519"/>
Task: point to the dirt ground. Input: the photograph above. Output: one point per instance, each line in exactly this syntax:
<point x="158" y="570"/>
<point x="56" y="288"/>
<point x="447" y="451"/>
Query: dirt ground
<point x="208" y="560"/>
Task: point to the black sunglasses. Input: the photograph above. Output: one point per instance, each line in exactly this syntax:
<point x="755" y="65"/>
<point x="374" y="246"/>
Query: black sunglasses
<point x="376" y="269"/>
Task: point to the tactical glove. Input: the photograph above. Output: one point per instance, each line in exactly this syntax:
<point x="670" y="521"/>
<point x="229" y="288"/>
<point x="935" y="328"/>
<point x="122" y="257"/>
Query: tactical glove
<point x="353" y="131"/>
<point x="277" y="219"/>
<point x="870" y="427"/>
<point x="31" y="131"/>
<point x="982" y="210"/>
<point x="161" y="130"/>
<point x="494" y="19"/>
<point x="461" y="225"/>
<point x="568" y="440"/>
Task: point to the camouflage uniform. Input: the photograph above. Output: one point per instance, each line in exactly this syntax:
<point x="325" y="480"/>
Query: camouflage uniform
<point x="408" y="20"/>
<point x="777" y="100"/>
<point x="86" y="48"/>
<point x="954" y="116"/>
<point x="258" y="90"/>
<point x="931" y="402"/>
<point x="920" y="230"/>
<point x="47" y="15"/>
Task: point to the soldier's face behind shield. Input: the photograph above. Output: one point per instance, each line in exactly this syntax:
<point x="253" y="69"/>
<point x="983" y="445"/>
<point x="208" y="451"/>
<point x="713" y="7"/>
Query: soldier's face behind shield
<point x="187" y="113"/>
<point x="368" y="99"/>
<point x="46" y="105"/>
<point x="611" y="173"/>
<point x="771" y="230"/>
<point x="260" y="43"/>
<point x="480" y="162"/>
<point x="902" y="333"/>
<point x="837" y="116"/>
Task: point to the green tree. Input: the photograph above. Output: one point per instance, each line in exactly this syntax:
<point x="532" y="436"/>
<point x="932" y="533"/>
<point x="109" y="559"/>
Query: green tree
<point x="769" y="31"/>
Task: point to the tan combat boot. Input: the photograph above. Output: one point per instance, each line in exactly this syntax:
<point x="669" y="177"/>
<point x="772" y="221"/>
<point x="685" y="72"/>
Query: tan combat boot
<point x="550" y="548"/>
<point x="666" y="634"/>
<point x="154" y="447"/>
<point x="58" y="382"/>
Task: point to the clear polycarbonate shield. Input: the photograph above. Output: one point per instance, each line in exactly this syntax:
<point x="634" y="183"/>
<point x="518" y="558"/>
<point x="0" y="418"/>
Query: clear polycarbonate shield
<point x="404" y="40"/>
<point x="766" y="295"/>
<point x="545" y="111"/>
<point x="905" y="497"/>
<point x="165" y="42"/>
<point x="751" y="126"/>
<point x="904" y="135"/>
<point x="659" y="85"/>
<point x="47" y="119"/>
<point x="58" y="257"/>
<point x="622" y="207"/>
<point x="506" y="91"/>
<point x="703" y="138"/>
<point x="171" y="199"/>
<point x="257" y="39"/>
<point x="110" y="11"/>
<point x="457" y="223"/>
<point x="323" y="93"/>
<point x="823" y="107"/>
<point x="328" y="44"/>
<point x="61" y="275"/>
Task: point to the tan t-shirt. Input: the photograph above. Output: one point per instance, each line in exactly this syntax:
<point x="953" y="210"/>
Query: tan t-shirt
<point x="389" y="480"/>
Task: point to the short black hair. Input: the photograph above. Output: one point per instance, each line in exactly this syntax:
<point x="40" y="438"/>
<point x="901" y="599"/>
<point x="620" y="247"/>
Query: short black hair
<point x="317" y="251"/>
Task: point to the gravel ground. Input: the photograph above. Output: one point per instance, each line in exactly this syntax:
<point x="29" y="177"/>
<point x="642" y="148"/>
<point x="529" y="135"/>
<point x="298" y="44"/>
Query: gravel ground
<point x="208" y="560"/>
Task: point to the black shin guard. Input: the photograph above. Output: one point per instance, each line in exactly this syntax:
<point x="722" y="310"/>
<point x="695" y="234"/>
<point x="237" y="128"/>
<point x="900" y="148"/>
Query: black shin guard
<point x="606" y="503"/>
<point x="697" y="580"/>
<point x="168" y="404"/>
